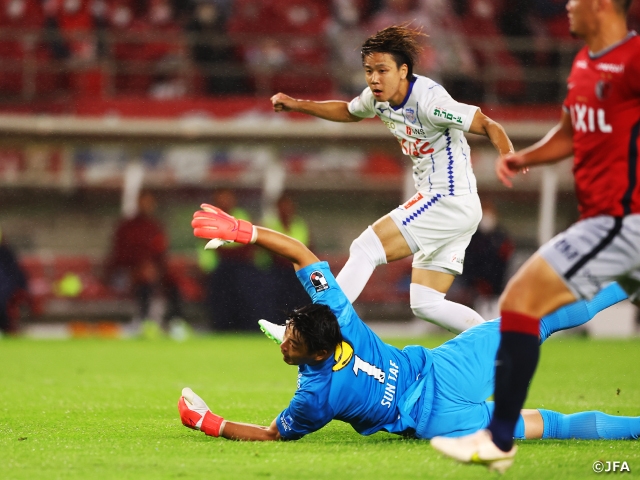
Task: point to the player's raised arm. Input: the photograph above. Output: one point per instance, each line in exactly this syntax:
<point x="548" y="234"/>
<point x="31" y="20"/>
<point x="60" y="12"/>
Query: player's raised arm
<point x="556" y="145"/>
<point x="215" y="224"/>
<point x="334" y="110"/>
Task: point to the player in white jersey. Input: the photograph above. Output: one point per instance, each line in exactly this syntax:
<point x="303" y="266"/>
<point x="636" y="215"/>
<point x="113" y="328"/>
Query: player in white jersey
<point x="437" y="223"/>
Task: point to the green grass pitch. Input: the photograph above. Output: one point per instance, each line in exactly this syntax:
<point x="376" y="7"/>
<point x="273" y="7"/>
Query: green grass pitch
<point x="107" y="409"/>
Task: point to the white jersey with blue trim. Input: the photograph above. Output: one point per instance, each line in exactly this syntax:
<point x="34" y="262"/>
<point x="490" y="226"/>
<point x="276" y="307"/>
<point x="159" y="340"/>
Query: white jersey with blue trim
<point x="429" y="126"/>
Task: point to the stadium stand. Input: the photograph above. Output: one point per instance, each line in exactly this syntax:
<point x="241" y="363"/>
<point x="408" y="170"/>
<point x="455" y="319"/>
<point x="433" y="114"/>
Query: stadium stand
<point x="57" y="49"/>
<point x="193" y="61"/>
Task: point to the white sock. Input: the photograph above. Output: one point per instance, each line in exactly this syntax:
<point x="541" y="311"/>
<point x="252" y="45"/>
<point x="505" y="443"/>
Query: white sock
<point x="365" y="254"/>
<point x="430" y="305"/>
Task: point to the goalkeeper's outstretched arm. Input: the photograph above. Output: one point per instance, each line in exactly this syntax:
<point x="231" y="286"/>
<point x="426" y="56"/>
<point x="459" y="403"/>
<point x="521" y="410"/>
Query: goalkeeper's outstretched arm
<point x="290" y="248"/>
<point x="213" y="223"/>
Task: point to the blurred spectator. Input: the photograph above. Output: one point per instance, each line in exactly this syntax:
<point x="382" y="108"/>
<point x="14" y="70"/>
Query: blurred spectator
<point x="516" y="21"/>
<point x="283" y="43"/>
<point x="13" y="288"/>
<point x="289" y="292"/>
<point x="148" y="50"/>
<point x="223" y="74"/>
<point x="237" y="292"/>
<point x="486" y="258"/>
<point x="348" y="17"/>
<point x="72" y="35"/>
<point x="20" y="24"/>
<point x="446" y="57"/>
<point x="553" y="16"/>
<point x="138" y="261"/>
<point x="480" y="22"/>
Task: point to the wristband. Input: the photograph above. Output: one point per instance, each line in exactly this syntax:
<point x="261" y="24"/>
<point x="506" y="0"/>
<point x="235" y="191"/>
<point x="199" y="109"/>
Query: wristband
<point x="212" y="424"/>
<point x="245" y="232"/>
<point x="254" y="235"/>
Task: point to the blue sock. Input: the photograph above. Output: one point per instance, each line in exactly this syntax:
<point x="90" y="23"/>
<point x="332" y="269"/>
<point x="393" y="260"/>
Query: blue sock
<point x="580" y="312"/>
<point x="589" y="426"/>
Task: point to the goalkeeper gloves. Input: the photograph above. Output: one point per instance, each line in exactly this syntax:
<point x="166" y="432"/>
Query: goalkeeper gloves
<point x="195" y="414"/>
<point x="215" y="224"/>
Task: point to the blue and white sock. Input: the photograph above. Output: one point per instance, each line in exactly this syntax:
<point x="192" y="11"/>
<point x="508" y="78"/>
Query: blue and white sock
<point x="580" y="312"/>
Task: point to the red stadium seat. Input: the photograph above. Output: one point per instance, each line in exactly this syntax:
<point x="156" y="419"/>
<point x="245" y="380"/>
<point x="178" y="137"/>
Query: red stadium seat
<point x="20" y="24"/>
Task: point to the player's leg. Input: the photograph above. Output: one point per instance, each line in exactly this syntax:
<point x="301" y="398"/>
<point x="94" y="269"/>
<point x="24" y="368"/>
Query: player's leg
<point x="580" y="312"/>
<point x="536" y="424"/>
<point x="380" y="243"/>
<point x="428" y="291"/>
<point x="582" y="425"/>
<point x="533" y="292"/>
<point x="516" y="361"/>
<point x="441" y="233"/>
<point x="591" y="253"/>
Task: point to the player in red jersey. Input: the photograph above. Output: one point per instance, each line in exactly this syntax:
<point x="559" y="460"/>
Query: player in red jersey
<point x="600" y="126"/>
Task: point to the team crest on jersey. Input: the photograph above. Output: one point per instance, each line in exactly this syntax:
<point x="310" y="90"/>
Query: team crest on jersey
<point x="343" y="355"/>
<point x="410" y="114"/>
<point x="603" y="89"/>
<point x="318" y="281"/>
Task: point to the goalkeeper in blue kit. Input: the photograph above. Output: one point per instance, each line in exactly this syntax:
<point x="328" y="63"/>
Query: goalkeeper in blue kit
<point x="347" y="373"/>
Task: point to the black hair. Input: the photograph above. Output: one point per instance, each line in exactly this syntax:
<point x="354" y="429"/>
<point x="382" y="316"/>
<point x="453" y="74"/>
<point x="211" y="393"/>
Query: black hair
<point x="317" y="327"/>
<point x="399" y="41"/>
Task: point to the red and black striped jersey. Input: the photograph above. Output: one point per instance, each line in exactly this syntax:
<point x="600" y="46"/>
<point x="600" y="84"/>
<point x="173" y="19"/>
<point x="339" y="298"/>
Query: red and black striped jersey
<point x="604" y="102"/>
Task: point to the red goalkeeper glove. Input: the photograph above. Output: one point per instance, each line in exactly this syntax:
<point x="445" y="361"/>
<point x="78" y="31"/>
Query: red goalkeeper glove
<point x="195" y="414"/>
<point x="213" y="223"/>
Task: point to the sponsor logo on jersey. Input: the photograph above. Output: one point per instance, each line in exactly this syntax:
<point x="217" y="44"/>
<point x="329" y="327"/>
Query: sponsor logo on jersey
<point x="382" y="110"/>
<point x="415" y="148"/>
<point x="410" y="114"/>
<point x="343" y="355"/>
<point x="442" y="113"/>
<point x="589" y="119"/>
<point x="414" y="130"/>
<point x="566" y="249"/>
<point x="413" y="200"/>
<point x="390" y="125"/>
<point x="581" y="64"/>
<point x="603" y="89"/>
<point x="318" y="281"/>
<point x="610" y="67"/>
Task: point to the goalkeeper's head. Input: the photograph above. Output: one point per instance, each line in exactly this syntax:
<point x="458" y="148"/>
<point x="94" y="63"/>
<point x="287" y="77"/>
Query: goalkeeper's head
<point x="399" y="41"/>
<point x="312" y="335"/>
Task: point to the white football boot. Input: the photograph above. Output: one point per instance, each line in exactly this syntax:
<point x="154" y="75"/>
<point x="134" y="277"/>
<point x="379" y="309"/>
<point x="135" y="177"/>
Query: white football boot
<point x="273" y="331"/>
<point x="476" y="448"/>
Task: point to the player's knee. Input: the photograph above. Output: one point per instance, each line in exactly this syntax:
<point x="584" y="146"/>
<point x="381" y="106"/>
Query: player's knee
<point x="517" y="295"/>
<point x="426" y="312"/>
<point x="426" y="303"/>
<point x="368" y="245"/>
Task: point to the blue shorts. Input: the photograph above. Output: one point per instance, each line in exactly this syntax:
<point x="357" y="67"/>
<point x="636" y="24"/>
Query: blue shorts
<point x="463" y="379"/>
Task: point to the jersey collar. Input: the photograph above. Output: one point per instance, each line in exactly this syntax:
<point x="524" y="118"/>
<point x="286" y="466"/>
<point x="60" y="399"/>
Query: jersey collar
<point x="412" y="82"/>
<point x="594" y="56"/>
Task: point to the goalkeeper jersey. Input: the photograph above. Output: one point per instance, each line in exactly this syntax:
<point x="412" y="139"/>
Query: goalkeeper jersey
<point x="367" y="383"/>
